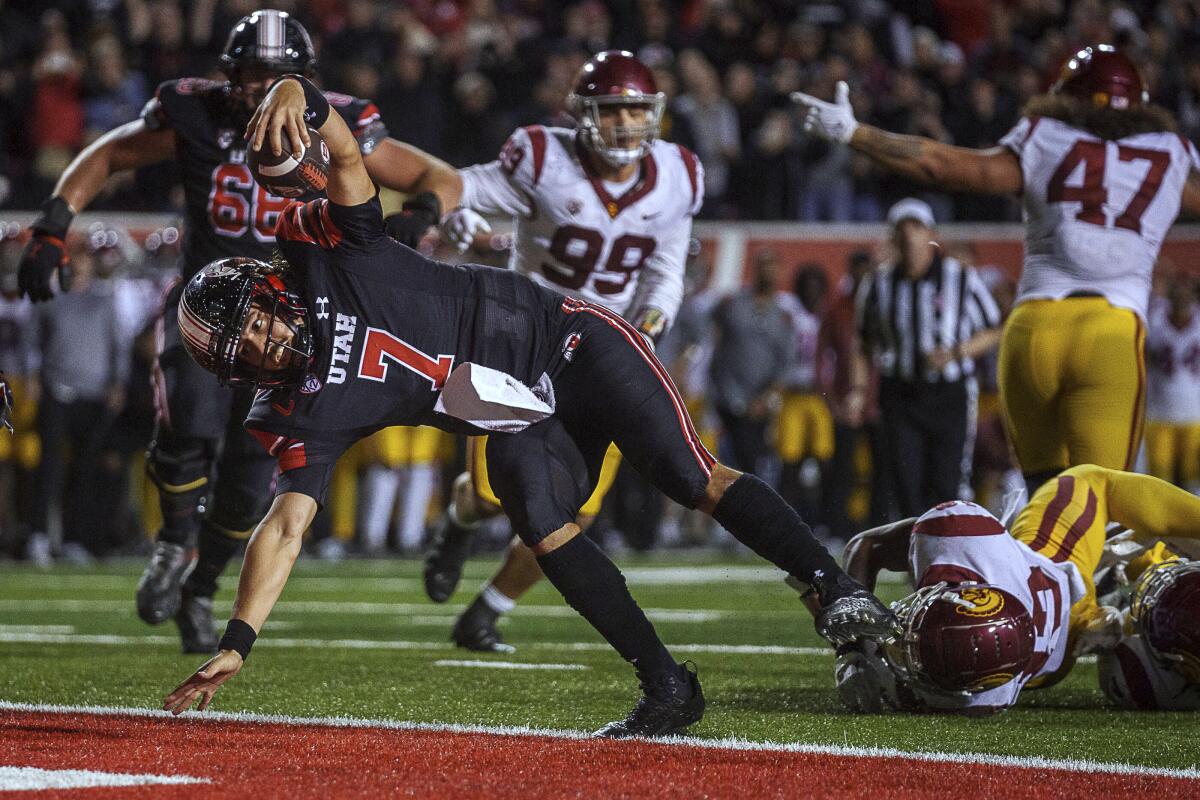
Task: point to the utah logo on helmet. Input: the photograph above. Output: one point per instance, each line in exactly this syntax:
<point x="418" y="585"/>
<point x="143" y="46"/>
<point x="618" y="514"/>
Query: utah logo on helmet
<point x="616" y="78"/>
<point x="965" y="638"/>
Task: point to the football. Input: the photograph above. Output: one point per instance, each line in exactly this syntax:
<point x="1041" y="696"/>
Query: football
<point x="292" y="174"/>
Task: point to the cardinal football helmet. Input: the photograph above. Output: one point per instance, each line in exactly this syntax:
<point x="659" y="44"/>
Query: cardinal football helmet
<point x="615" y="77"/>
<point x="1165" y="609"/>
<point x="212" y="318"/>
<point x="1102" y="76"/>
<point x="964" y="638"/>
<point x="1133" y="677"/>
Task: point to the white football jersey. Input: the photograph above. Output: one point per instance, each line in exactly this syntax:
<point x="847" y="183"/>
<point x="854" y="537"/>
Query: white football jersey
<point x="802" y="371"/>
<point x="1096" y="211"/>
<point x="1173" y="370"/>
<point x="959" y="542"/>
<point x="620" y="245"/>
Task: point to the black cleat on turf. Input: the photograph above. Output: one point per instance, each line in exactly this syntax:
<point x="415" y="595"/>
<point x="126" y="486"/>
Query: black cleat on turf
<point x="849" y="612"/>
<point x="158" y="591"/>
<point x="475" y="629"/>
<point x="197" y="629"/>
<point x="669" y="703"/>
<point x="448" y="552"/>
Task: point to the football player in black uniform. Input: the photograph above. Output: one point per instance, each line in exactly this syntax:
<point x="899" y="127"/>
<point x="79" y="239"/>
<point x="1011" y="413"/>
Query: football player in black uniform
<point x="355" y="332"/>
<point x="201" y="124"/>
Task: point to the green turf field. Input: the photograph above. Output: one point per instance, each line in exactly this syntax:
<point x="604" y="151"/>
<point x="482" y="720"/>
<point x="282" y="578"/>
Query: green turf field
<point x="357" y="638"/>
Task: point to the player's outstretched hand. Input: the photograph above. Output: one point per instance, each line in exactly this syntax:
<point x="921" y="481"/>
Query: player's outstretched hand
<point x="833" y="121"/>
<point x="282" y="110"/>
<point x="42" y="256"/>
<point x="204" y="683"/>
<point x="461" y="226"/>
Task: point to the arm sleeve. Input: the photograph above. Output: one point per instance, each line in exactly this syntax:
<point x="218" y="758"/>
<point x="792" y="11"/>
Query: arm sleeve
<point x="330" y="226"/>
<point x="660" y="284"/>
<point x="1016" y="138"/>
<point x="505" y="186"/>
<point x="305" y="464"/>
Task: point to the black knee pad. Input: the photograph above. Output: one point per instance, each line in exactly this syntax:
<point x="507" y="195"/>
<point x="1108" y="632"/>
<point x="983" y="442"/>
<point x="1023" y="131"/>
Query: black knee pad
<point x="180" y="468"/>
<point x="540" y="478"/>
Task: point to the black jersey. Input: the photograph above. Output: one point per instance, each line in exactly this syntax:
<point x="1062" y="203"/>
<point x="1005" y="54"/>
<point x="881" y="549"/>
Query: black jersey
<point x="389" y="325"/>
<point x="228" y="214"/>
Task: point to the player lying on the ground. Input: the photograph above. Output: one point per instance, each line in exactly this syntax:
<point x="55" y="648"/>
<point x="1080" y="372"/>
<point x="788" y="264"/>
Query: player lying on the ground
<point x="995" y="612"/>
<point x="625" y="251"/>
<point x="356" y="332"/>
<point x="1102" y="174"/>
<point x="200" y="457"/>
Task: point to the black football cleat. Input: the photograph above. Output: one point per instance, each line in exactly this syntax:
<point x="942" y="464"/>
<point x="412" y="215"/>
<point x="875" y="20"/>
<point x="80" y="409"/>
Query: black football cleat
<point x="668" y="704"/>
<point x="158" y="591"/>
<point x="197" y="629"/>
<point x="448" y="552"/>
<point x="849" y="612"/>
<point x="475" y="629"/>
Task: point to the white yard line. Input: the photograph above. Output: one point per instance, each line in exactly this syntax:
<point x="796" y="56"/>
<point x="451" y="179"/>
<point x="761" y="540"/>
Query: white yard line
<point x="374" y="644"/>
<point x="34" y="779"/>
<point x="450" y="662"/>
<point x="37" y="628"/>
<point x="1018" y="762"/>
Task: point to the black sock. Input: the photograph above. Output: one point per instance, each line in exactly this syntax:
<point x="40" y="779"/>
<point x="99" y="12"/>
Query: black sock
<point x="215" y="550"/>
<point x="760" y="519"/>
<point x="593" y="586"/>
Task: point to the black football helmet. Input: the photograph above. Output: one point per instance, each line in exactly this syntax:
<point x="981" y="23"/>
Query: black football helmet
<point x="268" y="41"/>
<point x="212" y="322"/>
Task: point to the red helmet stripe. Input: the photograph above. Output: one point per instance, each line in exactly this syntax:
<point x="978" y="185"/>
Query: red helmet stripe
<point x="199" y="333"/>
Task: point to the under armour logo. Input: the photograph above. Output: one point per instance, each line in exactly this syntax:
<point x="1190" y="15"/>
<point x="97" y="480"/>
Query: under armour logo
<point x="322" y="308"/>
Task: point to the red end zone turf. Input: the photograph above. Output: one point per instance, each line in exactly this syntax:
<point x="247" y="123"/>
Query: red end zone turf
<point x="261" y="760"/>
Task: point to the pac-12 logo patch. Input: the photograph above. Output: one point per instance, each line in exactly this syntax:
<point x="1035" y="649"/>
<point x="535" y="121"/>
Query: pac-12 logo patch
<point x="312" y="385"/>
<point x="570" y="345"/>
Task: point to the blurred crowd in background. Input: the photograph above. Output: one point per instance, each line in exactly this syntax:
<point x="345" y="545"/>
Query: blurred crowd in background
<point x="455" y="78"/>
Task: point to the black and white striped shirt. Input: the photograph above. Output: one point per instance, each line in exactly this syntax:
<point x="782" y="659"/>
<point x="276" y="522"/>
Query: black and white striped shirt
<point x="902" y="321"/>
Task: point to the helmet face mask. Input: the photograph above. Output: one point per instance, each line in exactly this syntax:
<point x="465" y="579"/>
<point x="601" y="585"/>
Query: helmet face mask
<point x="1165" y="609"/>
<point x="240" y="321"/>
<point x="611" y="80"/>
<point x="959" y="640"/>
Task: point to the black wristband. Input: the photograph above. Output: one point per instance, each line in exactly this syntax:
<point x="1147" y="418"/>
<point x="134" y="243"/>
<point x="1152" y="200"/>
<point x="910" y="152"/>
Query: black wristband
<point x="317" y="110"/>
<point x="238" y="637"/>
<point x="425" y="201"/>
<point x="55" y="218"/>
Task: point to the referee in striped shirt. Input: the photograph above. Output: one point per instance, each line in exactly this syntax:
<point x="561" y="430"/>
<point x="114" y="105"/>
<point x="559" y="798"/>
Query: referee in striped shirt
<point x="924" y="319"/>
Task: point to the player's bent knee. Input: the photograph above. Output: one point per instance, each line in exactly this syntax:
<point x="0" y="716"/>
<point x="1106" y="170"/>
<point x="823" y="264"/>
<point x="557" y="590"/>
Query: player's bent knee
<point x="719" y="481"/>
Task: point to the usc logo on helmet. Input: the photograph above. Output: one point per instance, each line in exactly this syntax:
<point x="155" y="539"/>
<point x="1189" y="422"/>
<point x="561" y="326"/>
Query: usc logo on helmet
<point x="979" y="602"/>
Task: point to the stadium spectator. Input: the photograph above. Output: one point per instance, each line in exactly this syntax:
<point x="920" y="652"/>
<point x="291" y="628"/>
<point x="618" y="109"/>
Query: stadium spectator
<point x="1173" y="387"/>
<point x="84" y="366"/>
<point x="754" y="339"/>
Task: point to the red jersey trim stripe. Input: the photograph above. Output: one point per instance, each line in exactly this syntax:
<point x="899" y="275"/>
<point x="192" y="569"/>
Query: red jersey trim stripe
<point x="689" y="161"/>
<point x="537" y="142"/>
<point x="699" y="451"/>
<point x="294" y="457"/>
<point x="959" y="525"/>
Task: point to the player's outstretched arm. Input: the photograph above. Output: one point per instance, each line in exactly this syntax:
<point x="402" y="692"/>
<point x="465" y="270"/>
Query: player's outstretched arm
<point x="885" y="547"/>
<point x="130" y="146"/>
<point x="957" y="169"/>
<point x="291" y="105"/>
<point x="272" y="552"/>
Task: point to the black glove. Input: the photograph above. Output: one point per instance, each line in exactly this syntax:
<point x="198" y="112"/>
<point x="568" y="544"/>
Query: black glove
<point x="6" y="401"/>
<point x="46" y="252"/>
<point x="415" y="217"/>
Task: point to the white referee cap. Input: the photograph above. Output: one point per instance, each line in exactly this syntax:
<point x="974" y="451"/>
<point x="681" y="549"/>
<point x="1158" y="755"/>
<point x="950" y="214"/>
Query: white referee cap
<point x="911" y="208"/>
